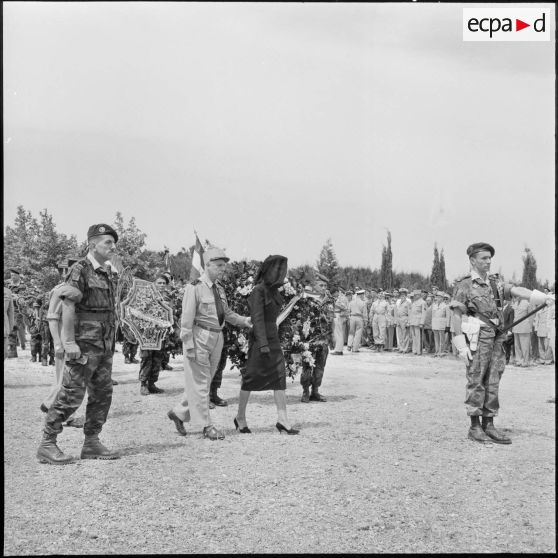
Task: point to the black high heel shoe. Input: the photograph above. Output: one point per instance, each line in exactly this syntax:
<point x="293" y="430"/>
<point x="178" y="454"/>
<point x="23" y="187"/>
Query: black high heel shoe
<point x="244" y="430"/>
<point x="282" y="428"/>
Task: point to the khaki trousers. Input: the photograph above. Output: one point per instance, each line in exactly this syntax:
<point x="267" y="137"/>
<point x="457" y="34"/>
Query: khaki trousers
<point x="356" y="324"/>
<point x="379" y="329"/>
<point x="339" y="333"/>
<point x="403" y="338"/>
<point x="522" y="347"/>
<point x="198" y="373"/>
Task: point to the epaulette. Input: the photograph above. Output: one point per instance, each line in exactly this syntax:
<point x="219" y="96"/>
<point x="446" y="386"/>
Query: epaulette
<point x="462" y="277"/>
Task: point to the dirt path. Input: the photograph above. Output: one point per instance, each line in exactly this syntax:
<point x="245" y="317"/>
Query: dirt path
<point x="383" y="466"/>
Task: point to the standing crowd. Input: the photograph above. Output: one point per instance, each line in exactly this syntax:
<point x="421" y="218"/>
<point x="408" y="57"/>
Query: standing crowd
<point x="80" y="331"/>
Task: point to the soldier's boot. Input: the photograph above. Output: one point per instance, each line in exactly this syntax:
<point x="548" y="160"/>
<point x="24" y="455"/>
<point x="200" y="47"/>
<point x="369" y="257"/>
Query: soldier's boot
<point x="49" y="452"/>
<point x="490" y="430"/>
<point x="476" y="433"/>
<point x="154" y="389"/>
<point x="167" y="366"/>
<point x="12" y="351"/>
<point x="305" y="395"/>
<point x="316" y="396"/>
<point x="144" y="389"/>
<point x="93" y="449"/>
<point x="127" y="361"/>
<point x="51" y="361"/>
<point x="134" y="360"/>
<point x="215" y="399"/>
<point x="33" y="357"/>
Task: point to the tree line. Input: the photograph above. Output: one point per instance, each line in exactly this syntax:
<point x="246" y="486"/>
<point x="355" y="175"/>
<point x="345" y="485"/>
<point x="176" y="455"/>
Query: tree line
<point x="34" y="245"/>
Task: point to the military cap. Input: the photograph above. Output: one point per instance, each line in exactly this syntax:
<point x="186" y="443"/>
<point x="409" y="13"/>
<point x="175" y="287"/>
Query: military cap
<point x="387" y="293"/>
<point x="395" y="291"/>
<point x="320" y="277"/>
<point x="480" y="247"/>
<point x="14" y="270"/>
<point x="374" y="291"/>
<point x="446" y="295"/>
<point x="416" y="292"/>
<point x="403" y="290"/>
<point x="360" y="291"/>
<point x="212" y="254"/>
<point x="102" y="228"/>
<point x="348" y="291"/>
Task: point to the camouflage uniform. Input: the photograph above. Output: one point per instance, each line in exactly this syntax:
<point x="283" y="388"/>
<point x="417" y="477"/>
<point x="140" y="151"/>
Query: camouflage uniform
<point x="129" y="350"/>
<point x="312" y="377"/>
<point x="150" y="366"/>
<point x="473" y="295"/>
<point x="94" y="334"/>
<point x="17" y="336"/>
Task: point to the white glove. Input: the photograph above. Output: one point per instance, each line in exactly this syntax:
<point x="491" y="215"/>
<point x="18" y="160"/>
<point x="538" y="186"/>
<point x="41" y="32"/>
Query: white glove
<point x="460" y="344"/>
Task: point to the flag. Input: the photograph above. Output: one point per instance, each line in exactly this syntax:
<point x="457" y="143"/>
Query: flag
<point x="197" y="260"/>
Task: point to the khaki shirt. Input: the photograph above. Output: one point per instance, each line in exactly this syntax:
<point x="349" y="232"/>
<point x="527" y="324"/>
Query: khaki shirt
<point x="380" y="307"/>
<point x="357" y="307"/>
<point x="341" y="306"/>
<point x="198" y="307"/>
<point x="417" y="313"/>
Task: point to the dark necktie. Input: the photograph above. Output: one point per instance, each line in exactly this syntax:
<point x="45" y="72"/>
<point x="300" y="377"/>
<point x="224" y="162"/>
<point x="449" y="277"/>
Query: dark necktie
<point x="218" y="305"/>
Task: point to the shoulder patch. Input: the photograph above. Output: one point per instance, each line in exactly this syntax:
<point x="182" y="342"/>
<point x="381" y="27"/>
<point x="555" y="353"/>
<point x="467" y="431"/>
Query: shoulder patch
<point x="463" y="277"/>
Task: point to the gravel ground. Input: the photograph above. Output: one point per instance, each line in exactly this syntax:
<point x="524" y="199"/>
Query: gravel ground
<point x="384" y="466"/>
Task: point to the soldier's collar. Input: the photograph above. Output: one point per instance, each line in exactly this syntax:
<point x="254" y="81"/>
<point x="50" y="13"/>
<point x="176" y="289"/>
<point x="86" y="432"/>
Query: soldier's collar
<point x="205" y="278"/>
<point x="96" y="265"/>
<point x="476" y="277"/>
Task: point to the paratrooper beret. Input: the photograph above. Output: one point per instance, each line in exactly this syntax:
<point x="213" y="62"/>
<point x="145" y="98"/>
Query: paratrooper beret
<point x="480" y="247"/>
<point x="102" y="228"/>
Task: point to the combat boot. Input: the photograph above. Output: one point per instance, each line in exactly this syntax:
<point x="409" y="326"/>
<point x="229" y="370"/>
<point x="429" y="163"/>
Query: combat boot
<point x="490" y="430"/>
<point x="49" y="452"/>
<point x="305" y="395"/>
<point x="12" y="351"/>
<point x="44" y="362"/>
<point x="476" y="433"/>
<point x="51" y="361"/>
<point x="134" y="360"/>
<point x="127" y="361"/>
<point x="216" y="400"/>
<point x="154" y="389"/>
<point x="167" y="367"/>
<point x="93" y="449"/>
<point x="144" y="389"/>
<point x="33" y="358"/>
<point x="316" y="396"/>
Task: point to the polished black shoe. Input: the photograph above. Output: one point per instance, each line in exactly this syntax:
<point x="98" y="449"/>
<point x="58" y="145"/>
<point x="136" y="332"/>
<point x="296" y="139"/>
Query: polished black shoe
<point x="244" y="430"/>
<point x="177" y="422"/>
<point x="211" y="405"/>
<point x="114" y="383"/>
<point x="496" y="435"/>
<point x="167" y="367"/>
<point x="127" y="361"/>
<point x="315" y="396"/>
<point x="282" y="428"/>
<point x="216" y="400"/>
<point x="154" y="389"/>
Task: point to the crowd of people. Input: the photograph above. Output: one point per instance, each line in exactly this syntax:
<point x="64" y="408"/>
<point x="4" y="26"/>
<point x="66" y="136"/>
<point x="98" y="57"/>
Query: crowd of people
<point x="75" y="327"/>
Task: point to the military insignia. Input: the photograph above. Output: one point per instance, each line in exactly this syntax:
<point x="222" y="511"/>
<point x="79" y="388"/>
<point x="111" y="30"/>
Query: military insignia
<point x="102" y="229"/>
<point x="146" y="314"/>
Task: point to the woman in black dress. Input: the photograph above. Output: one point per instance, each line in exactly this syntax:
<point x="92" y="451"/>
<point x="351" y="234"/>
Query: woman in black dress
<point x="265" y="368"/>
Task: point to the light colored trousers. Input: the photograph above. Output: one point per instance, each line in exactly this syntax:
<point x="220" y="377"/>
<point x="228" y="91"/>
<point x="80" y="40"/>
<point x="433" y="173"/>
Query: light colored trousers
<point x="356" y="323"/>
<point x="522" y="347"/>
<point x="58" y="375"/>
<point x="416" y="335"/>
<point x="339" y="333"/>
<point x="403" y="338"/>
<point x="198" y="373"/>
<point x="544" y="349"/>
<point x="439" y="340"/>
<point x="379" y="329"/>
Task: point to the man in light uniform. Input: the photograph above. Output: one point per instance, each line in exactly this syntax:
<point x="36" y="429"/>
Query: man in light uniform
<point x="390" y="322"/>
<point x="341" y="315"/>
<point x="204" y="311"/>
<point x="357" y="317"/>
<point x="417" y="314"/>
<point x="379" y="322"/>
<point x="480" y="295"/>
<point x="402" y="319"/>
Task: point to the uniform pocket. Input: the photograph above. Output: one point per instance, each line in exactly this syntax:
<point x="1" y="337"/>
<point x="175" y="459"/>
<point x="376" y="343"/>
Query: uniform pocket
<point x="201" y="336"/>
<point x="91" y="333"/>
<point x="202" y="357"/>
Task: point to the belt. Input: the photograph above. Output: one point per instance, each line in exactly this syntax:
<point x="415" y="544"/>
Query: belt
<point x="356" y="315"/>
<point x="213" y="329"/>
<point x="95" y="316"/>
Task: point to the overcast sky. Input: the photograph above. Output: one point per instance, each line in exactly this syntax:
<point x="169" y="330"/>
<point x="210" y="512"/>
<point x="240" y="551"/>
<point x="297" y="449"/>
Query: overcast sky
<point x="271" y="127"/>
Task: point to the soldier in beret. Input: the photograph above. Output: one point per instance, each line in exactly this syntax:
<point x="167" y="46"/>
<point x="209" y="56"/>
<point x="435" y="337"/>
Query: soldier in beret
<point x="481" y="295"/>
<point x="88" y="336"/>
